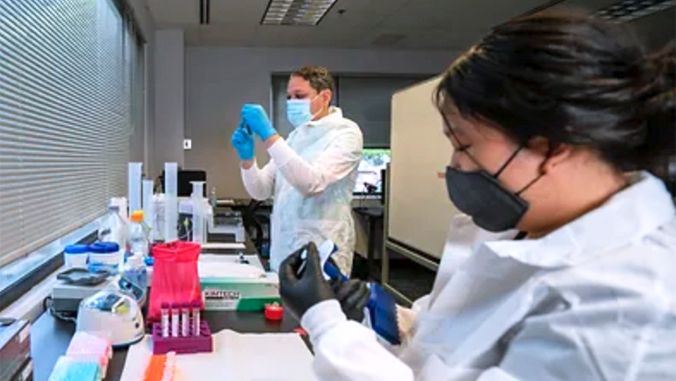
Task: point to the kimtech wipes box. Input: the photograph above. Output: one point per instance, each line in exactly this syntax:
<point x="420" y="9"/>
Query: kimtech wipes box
<point x="229" y="285"/>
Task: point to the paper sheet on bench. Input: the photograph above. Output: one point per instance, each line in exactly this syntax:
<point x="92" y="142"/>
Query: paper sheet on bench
<point x="236" y="357"/>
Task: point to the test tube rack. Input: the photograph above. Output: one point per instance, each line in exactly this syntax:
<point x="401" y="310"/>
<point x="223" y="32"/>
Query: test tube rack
<point x="183" y="344"/>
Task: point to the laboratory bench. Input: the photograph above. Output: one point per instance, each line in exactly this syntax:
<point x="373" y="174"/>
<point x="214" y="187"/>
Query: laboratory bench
<point x="50" y="337"/>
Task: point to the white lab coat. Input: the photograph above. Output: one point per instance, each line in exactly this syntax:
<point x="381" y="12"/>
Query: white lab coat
<point x="593" y="300"/>
<point x="313" y="176"/>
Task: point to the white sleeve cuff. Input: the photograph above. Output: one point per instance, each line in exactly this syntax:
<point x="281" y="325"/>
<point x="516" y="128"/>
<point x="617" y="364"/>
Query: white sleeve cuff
<point x="281" y="152"/>
<point x="321" y="317"/>
<point x="250" y="176"/>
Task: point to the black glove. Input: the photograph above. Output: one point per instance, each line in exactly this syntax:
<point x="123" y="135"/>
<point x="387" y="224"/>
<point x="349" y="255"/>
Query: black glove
<point x="300" y="292"/>
<point x="353" y="296"/>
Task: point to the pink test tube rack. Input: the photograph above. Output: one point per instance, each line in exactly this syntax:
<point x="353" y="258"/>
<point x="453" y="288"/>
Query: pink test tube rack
<point x="183" y="344"/>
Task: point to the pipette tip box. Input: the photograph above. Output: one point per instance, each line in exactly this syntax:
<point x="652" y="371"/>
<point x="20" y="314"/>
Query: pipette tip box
<point x="183" y="344"/>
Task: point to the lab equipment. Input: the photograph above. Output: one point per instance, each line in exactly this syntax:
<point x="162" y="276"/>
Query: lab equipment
<point x="114" y="313"/>
<point x="196" y="316"/>
<point x="70" y="369"/>
<point x="243" y="142"/>
<point x="83" y="277"/>
<point x="161" y="367"/>
<point x="195" y="342"/>
<point x="14" y="347"/>
<point x="123" y="206"/>
<point x="381" y="306"/>
<point x="176" y="282"/>
<point x="228" y="284"/>
<point x="255" y="118"/>
<point x="185" y="319"/>
<point x="67" y="295"/>
<point x="164" y="312"/>
<point x="91" y="347"/>
<point x="135" y="272"/>
<point x="199" y="232"/>
<point x="149" y="209"/>
<point x="175" y="276"/>
<point x="76" y="256"/>
<point x="274" y="312"/>
<point x="135" y="172"/>
<point x="170" y="202"/>
<point x="105" y="256"/>
<point x="113" y="228"/>
<point x="159" y="221"/>
<point x="213" y="200"/>
<point x="138" y="235"/>
<point x="174" y="320"/>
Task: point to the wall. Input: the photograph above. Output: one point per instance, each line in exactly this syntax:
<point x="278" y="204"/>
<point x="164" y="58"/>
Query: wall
<point x="144" y="152"/>
<point x="169" y="98"/>
<point x="220" y="80"/>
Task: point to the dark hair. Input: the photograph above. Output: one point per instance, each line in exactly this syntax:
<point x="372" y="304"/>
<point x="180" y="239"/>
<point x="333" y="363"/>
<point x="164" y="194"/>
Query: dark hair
<point x="574" y="80"/>
<point x="319" y="77"/>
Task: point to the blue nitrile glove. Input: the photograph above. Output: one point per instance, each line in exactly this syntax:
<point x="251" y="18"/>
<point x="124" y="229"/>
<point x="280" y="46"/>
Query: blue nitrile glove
<point x="243" y="143"/>
<point x="257" y="120"/>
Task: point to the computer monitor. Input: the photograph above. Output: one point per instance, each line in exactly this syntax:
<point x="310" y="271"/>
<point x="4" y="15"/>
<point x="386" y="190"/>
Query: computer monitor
<point x="185" y="179"/>
<point x="370" y="178"/>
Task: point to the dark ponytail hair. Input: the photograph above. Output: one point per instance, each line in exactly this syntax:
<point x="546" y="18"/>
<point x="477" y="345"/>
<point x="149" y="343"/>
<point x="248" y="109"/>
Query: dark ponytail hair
<point x="574" y="80"/>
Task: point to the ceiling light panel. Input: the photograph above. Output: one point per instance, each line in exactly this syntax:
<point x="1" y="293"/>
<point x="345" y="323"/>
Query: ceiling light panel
<point x="296" y="12"/>
<point x="627" y="10"/>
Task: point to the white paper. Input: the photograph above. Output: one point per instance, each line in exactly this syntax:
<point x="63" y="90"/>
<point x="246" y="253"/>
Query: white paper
<point x="224" y="245"/>
<point x="214" y="269"/>
<point x="236" y="357"/>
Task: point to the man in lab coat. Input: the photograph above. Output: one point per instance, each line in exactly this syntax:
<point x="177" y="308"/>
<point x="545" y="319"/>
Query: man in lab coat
<point x="311" y="175"/>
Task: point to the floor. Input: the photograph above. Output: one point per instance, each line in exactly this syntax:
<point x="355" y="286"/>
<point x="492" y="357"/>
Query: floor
<point x="406" y="276"/>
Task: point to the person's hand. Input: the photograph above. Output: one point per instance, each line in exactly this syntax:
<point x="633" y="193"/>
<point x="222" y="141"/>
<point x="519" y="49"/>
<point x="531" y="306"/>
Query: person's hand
<point x="353" y="296"/>
<point x="300" y="292"/>
<point x="243" y="143"/>
<point x="257" y="120"/>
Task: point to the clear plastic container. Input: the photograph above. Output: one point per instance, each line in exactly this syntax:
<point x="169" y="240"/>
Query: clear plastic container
<point x="213" y="200"/>
<point x="138" y="235"/>
<point x="113" y="228"/>
<point x="105" y="256"/>
<point x="134" y="271"/>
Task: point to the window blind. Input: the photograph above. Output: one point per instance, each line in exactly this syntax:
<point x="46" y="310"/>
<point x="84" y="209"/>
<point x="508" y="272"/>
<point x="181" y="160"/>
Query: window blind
<point x="65" y="117"/>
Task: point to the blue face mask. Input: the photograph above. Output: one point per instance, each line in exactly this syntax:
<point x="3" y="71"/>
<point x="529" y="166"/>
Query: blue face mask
<point x="298" y="112"/>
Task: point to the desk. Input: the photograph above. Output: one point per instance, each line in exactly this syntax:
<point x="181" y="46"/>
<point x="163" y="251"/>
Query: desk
<point x="50" y="337"/>
<point x="372" y="215"/>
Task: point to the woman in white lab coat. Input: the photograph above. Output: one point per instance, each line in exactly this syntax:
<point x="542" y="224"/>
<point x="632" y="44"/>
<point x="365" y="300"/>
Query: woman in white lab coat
<point x="311" y="175"/>
<point x="555" y="122"/>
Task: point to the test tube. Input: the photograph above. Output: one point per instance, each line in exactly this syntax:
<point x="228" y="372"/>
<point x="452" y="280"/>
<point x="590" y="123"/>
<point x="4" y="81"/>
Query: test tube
<point x="196" y="307"/>
<point x="170" y="202"/>
<point x="134" y="186"/>
<point x="185" y="319"/>
<point x="174" y="320"/>
<point x="164" y="311"/>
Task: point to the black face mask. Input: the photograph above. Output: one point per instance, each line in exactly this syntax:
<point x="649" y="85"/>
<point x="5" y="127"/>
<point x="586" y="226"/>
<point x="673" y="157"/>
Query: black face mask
<point x="481" y="196"/>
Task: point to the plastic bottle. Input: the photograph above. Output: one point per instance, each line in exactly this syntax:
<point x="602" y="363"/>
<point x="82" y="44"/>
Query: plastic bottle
<point x="213" y="200"/>
<point x="138" y="235"/>
<point x="113" y="228"/>
<point x="134" y="271"/>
